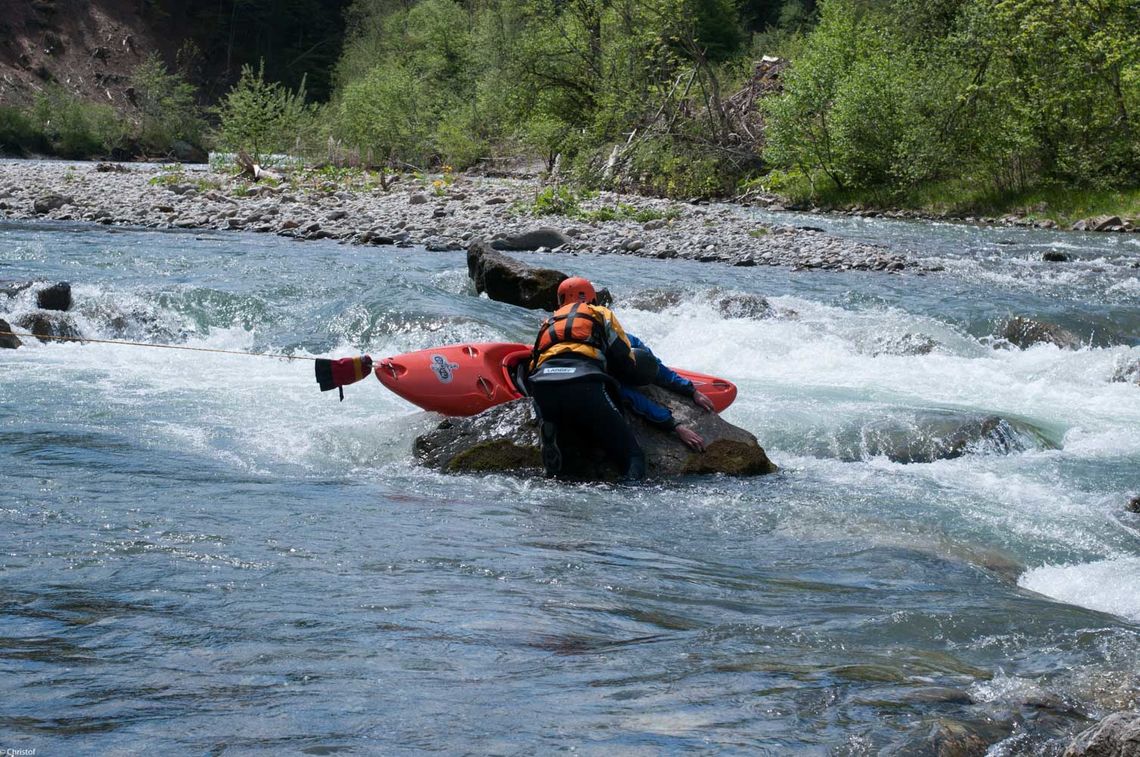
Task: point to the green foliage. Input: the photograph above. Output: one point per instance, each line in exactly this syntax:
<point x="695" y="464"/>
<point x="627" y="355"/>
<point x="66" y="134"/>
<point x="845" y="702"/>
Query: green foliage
<point x="18" y="132"/>
<point x="74" y="128"/>
<point x="561" y="201"/>
<point x="263" y="117"/>
<point x="167" y="107"/>
<point x="1007" y="94"/>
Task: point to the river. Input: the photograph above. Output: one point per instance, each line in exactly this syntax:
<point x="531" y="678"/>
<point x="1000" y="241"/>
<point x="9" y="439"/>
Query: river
<point x="204" y="552"/>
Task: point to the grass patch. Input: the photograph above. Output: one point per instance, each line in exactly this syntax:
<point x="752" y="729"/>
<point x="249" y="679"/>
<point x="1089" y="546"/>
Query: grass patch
<point x="567" y="202"/>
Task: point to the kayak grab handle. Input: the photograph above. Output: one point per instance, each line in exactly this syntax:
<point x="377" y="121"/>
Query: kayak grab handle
<point x="391" y="367"/>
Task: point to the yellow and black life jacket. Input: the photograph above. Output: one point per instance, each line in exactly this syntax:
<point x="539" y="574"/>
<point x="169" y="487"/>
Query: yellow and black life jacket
<point x="578" y="328"/>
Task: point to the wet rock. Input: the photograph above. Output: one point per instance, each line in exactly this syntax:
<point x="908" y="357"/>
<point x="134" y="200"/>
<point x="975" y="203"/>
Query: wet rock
<point x="908" y="344"/>
<point x="11" y="288"/>
<point x="744" y="305"/>
<point x="1054" y="256"/>
<point x="508" y="280"/>
<point x="928" y="435"/>
<point x="49" y="326"/>
<point x="950" y="738"/>
<point x="1118" y="735"/>
<point x="1133" y="505"/>
<point x="653" y="300"/>
<point x="55" y="297"/>
<point x="8" y="341"/>
<point x="532" y="240"/>
<point x="1127" y="372"/>
<point x="50" y="202"/>
<point x="1025" y="332"/>
<point x="505" y="439"/>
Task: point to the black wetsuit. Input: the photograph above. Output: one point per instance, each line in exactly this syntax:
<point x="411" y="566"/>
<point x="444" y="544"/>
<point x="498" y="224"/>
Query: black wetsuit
<point x="574" y="393"/>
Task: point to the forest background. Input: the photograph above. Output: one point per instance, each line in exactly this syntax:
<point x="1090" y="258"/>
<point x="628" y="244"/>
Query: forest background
<point x="944" y="105"/>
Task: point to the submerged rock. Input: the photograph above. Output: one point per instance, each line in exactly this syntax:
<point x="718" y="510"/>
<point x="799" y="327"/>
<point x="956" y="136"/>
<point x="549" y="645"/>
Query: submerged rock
<point x="1025" y="332"/>
<point x="508" y="280"/>
<point x="908" y="344"/>
<point x="1127" y="373"/>
<point x="50" y="326"/>
<point x="930" y="435"/>
<point x="1118" y="735"/>
<point x="743" y="305"/>
<point x="653" y="300"/>
<point x="505" y="439"/>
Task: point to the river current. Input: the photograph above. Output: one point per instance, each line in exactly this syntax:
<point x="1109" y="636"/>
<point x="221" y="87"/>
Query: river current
<point x="204" y="552"/>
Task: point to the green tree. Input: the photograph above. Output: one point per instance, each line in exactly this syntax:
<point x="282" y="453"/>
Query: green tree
<point x="263" y="117"/>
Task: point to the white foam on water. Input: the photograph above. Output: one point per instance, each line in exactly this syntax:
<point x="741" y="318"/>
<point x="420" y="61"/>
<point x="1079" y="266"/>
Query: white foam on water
<point x="1106" y="585"/>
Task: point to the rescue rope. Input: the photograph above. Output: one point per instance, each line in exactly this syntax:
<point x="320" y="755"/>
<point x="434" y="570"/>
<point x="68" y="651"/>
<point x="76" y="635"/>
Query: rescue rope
<point x="158" y="346"/>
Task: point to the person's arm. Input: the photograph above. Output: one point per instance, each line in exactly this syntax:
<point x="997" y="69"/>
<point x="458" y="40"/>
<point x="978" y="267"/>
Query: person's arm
<point x="669" y="379"/>
<point x="659" y="416"/>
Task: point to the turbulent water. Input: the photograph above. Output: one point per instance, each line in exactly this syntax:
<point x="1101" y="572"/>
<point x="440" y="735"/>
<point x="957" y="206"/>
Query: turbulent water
<point x="202" y="550"/>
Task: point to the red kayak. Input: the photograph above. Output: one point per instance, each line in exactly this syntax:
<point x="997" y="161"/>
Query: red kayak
<point x="466" y="379"/>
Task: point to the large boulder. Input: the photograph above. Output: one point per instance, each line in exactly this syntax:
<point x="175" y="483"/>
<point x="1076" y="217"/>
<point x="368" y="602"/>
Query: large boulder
<point x="55" y="297"/>
<point x="532" y="240"/>
<point x="8" y="341"/>
<point x="507" y="280"/>
<point x="505" y="439"/>
<point x="1025" y="332"/>
<point x="1118" y="735"/>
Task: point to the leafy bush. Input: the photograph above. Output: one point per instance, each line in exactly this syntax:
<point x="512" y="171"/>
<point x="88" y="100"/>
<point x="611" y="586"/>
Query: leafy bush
<point x="74" y="128"/>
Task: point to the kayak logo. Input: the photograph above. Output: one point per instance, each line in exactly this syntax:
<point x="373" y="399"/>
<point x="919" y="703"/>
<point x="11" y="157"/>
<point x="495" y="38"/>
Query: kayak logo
<point x="553" y="369"/>
<point x="443" y="370"/>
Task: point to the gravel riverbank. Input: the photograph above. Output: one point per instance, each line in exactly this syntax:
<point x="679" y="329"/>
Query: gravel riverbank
<point x="438" y="214"/>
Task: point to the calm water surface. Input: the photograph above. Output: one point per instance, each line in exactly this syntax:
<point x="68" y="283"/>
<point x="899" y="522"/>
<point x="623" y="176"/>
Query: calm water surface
<point x="203" y="551"/>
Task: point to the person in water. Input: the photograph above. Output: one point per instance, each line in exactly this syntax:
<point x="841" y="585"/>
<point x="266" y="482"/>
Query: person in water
<point x="578" y="353"/>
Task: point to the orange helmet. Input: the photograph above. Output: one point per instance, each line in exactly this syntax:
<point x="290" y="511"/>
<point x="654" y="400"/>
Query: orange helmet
<point x="576" y="288"/>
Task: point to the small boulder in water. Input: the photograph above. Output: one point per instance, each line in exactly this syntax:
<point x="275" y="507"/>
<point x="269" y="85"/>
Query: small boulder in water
<point x="1127" y="373"/>
<point x="505" y="439"/>
<point x="929" y="435"/>
<point x="1054" y="256"/>
<point x="908" y="345"/>
<point x="50" y="326"/>
<point x="8" y="341"/>
<point x="1025" y="332"/>
<point x="744" y="305"/>
<point x="1133" y="505"/>
<point x="508" y="280"/>
<point x="653" y="300"/>
<point x="55" y="297"/>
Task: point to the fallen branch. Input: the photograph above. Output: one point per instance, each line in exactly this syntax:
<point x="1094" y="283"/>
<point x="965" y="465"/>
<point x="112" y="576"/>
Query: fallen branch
<point x="253" y="170"/>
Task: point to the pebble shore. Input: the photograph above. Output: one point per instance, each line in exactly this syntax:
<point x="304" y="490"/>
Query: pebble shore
<point x="438" y="213"/>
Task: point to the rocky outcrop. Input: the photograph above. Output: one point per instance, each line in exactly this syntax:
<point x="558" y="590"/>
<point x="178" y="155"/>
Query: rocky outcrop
<point x="55" y="297"/>
<point x="1118" y="735"/>
<point x="532" y="240"/>
<point x="1102" y="223"/>
<point x="505" y="279"/>
<point x="8" y="341"/>
<point x="505" y="439"/>
<point x="1025" y="332"/>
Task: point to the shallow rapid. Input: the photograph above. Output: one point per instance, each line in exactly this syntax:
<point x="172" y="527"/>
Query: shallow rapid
<point x="202" y="550"/>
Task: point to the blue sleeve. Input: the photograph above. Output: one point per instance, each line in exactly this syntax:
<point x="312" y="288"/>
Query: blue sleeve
<point x="654" y="413"/>
<point x="666" y="377"/>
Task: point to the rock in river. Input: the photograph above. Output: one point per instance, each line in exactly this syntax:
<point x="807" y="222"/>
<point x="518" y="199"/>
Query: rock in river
<point x="1025" y="332"/>
<point x="505" y="439"/>
<point x="1118" y="735"/>
<point x="8" y="341"/>
<point x="508" y="280"/>
<point x="532" y="240"/>
<point x="55" y="297"/>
